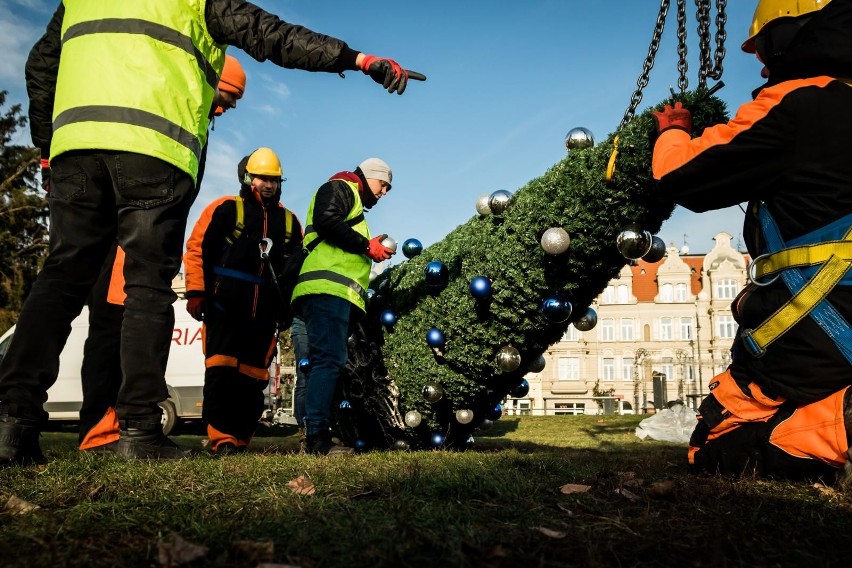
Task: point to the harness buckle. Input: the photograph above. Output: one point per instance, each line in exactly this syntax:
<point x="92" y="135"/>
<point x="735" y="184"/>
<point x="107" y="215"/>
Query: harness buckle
<point x="751" y="345"/>
<point x="752" y="272"/>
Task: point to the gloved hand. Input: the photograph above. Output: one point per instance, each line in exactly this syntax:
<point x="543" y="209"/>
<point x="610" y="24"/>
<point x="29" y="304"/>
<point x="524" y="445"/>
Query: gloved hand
<point x="377" y="251"/>
<point x="195" y="306"/>
<point x="677" y="117"/>
<point x="386" y="72"/>
<point x="45" y="174"/>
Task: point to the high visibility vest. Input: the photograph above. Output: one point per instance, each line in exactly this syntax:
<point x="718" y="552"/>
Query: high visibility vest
<point x="136" y="77"/>
<point x="332" y="270"/>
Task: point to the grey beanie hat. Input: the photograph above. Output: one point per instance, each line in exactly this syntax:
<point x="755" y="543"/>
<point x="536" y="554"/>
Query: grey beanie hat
<point x="374" y="168"/>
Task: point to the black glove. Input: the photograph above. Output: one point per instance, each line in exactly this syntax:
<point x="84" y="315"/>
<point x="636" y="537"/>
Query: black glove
<point x="45" y="174"/>
<point x="386" y="72"/>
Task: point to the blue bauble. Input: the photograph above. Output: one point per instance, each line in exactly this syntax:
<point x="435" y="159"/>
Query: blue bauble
<point x="304" y="365"/>
<point x="360" y="444"/>
<point x="435" y="338"/>
<point x="480" y="287"/>
<point x="388" y="318"/>
<point x="521" y="390"/>
<point x="556" y="309"/>
<point x="437" y="275"/>
<point x="438" y="439"/>
<point x="411" y="248"/>
<point x="344" y="405"/>
<point x="494" y="413"/>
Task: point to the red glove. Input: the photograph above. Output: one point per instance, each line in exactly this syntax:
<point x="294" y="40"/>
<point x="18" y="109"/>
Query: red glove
<point x="677" y="117"/>
<point x="386" y="72"/>
<point x="195" y="307"/>
<point x="45" y="174"/>
<point x="377" y="251"/>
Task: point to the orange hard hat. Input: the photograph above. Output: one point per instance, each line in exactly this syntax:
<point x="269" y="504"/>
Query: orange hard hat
<point x="233" y="79"/>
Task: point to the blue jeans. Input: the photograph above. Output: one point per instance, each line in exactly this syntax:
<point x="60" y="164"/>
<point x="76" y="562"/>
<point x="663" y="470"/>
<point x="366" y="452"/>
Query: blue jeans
<point x="327" y="320"/>
<point x="301" y="350"/>
<point x="99" y="198"/>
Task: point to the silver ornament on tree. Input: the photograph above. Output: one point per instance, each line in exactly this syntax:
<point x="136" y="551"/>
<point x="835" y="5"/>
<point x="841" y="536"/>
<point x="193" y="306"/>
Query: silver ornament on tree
<point x="413" y="419"/>
<point x="482" y="206"/>
<point x="464" y="416"/>
<point x="587" y="321"/>
<point x="555" y="241"/>
<point x="633" y="243"/>
<point x="390" y="243"/>
<point x="499" y="201"/>
<point x="579" y="139"/>
<point x="508" y="359"/>
<point x="657" y="252"/>
<point x="432" y="392"/>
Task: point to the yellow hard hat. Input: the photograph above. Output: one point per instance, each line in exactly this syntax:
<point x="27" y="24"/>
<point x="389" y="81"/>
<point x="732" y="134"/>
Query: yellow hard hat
<point x="769" y="10"/>
<point x="264" y="162"/>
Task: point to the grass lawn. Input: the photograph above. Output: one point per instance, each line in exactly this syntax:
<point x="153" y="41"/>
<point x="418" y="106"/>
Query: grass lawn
<point x="505" y="503"/>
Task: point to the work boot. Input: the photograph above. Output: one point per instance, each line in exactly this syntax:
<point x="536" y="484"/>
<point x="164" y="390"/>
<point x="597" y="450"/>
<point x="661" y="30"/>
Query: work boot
<point x="145" y="440"/>
<point x="321" y="444"/>
<point x="104" y="449"/>
<point x="19" y="441"/>
<point x="228" y="449"/>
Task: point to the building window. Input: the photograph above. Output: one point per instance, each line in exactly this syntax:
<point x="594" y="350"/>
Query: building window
<point x="726" y="289"/>
<point x="666" y="293"/>
<point x="680" y="293"/>
<point x="608" y="296"/>
<point x="608" y="369"/>
<point x="623" y="294"/>
<point x="726" y="327"/>
<point x="686" y="328"/>
<point x="573" y="408"/>
<point x="523" y="407"/>
<point x="627" y="329"/>
<point x="607" y="329"/>
<point x="569" y="368"/>
<point x="571" y="334"/>
<point x="627" y="369"/>
<point x="665" y="328"/>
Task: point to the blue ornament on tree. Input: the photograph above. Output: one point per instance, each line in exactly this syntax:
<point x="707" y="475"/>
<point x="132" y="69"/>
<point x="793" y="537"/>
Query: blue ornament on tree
<point x="480" y="288"/>
<point x="360" y="444"/>
<point x="556" y="309"/>
<point x="344" y="405"/>
<point x="438" y="439"/>
<point x="435" y="338"/>
<point x="411" y="248"/>
<point x="521" y="390"/>
<point x="437" y="275"/>
<point x="494" y="413"/>
<point x="304" y="365"/>
<point x="388" y="318"/>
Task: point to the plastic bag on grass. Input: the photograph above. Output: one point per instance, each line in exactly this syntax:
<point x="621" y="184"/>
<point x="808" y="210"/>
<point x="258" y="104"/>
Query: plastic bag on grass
<point x="673" y="424"/>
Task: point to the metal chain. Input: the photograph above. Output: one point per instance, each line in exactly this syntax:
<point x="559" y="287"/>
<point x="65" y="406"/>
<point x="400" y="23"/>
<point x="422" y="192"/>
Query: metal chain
<point x="682" y="65"/>
<point x="721" y="36"/>
<point x="703" y="17"/>
<point x="642" y="82"/>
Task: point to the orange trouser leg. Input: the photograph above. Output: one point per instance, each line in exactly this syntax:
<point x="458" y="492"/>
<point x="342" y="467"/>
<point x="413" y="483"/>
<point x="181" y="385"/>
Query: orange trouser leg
<point x="218" y="438"/>
<point x="815" y="431"/>
<point x="102" y="433"/>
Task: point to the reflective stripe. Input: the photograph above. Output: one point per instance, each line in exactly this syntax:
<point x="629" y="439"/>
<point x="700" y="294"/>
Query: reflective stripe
<point x="136" y="117"/>
<point x="228" y="361"/>
<point x="351" y="222"/>
<point x="333" y="277"/>
<point x="153" y="30"/>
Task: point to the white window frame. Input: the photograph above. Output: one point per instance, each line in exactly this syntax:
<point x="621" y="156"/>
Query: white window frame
<point x="628" y="329"/>
<point x="666" y="329"/>
<point x="569" y="369"/>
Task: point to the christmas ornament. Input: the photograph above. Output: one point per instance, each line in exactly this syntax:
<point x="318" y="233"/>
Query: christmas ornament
<point x="304" y="365"/>
<point x="579" y="139"/>
<point x="555" y="241"/>
<point x="435" y="338"/>
<point x="390" y="243"/>
<point x="411" y="248"/>
<point x="436" y="274"/>
<point x="360" y="444"/>
<point x="587" y="321"/>
<point x="556" y="309"/>
<point x="370" y="293"/>
<point x="508" y="359"/>
<point x="499" y="201"/>
<point x="537" y="365"/>
<point x="634" y="243"/>
<point x="480" y="287"/>
<point x="495" y="412"/>
<point x="432" y="392"/>
<point x="400" y="445"/>
<point x="388" y="318"/>
<point x="482" y="206"/>
<point x="352" y="341"/>
<point x="521" y="390"/>
<point x="413" y="419"/>
<point x="657" y="252"/>
<point x="464" y="416"/>
<point x="344" y="405"/>
<point x="438" y="439"/>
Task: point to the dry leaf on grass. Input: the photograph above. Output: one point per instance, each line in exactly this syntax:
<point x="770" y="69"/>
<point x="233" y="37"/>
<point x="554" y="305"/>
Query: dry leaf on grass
<point x="665" y="490"/>
<point x="301" y="486"/>
<point x="627" y="493"/>
<point x="18" y="506"/>
<point x="550" y="533"/>
<point x="177" y="551"/>
<point x="825" y="491"/>
<point x="569" y="488"/>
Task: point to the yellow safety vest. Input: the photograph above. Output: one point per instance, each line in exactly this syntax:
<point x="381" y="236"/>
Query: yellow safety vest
<point x="138" y="77"/>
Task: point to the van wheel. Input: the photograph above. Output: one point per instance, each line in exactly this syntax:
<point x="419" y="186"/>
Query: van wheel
<point x="169" y="416"/>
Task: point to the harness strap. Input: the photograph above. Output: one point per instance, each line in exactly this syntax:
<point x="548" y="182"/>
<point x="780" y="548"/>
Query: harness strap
<point x="241" y="221"/>
<point x="237" y="274"/>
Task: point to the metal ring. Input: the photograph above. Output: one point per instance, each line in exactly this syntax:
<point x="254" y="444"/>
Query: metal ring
<point x="753" y="277"/>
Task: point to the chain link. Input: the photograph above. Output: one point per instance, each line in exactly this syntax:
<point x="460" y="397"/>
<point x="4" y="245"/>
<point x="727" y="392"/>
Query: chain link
<point x="644" y="77"/>
<point x="682" y="65"/>
<point x="721" y="36"/>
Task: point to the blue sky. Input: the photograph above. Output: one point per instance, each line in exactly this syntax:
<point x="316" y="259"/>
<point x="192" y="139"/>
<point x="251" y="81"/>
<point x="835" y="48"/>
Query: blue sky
<point x="506" y="82"/>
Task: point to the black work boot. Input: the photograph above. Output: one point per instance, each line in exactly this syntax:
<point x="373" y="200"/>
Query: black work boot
<point x="321" y="444"/>
<point x="19" y="442"/>
<point x="145" y="440"/>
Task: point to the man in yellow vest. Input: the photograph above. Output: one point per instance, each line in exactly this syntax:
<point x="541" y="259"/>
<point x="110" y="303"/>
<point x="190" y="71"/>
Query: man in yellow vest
<point x="119" y="99"/>
<point x="332" y="287"/>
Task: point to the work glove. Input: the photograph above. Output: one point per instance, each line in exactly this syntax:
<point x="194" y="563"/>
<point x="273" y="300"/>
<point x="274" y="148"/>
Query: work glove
<point x="45" y="174"/>
<point x="377" y="251"/>
<point x="677" y="117"/>
<point x="195" y="306"/>
<point x="386" y="72"/>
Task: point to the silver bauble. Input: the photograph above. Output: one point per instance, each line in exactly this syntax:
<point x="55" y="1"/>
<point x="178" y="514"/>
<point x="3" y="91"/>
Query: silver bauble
<point x="633" y="243"/>
<point x="352" y="341"/>
<point x="587" y="321"/>
<point x="413" y="419"/>
<point x="555" y="241"/>
<point x="537" y="365"/>
<point x="499" y="201"/>
<point x="508" y="359"/>
<point x="579" y="139"/>
<point x="401" y="445"/>
<point x="389" y="242"/>
<point x="432" y="392"/>
<point x="482" y="206"/>
<point x="464" y="416"/>
<point x="657" y="252"/>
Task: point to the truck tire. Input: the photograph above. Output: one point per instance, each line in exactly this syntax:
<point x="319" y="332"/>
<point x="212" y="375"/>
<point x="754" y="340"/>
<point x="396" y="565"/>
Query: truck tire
<point x="170" y="417"/>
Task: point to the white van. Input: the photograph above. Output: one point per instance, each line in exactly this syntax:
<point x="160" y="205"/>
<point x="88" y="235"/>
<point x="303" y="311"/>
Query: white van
<point x="184" y="373"/>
